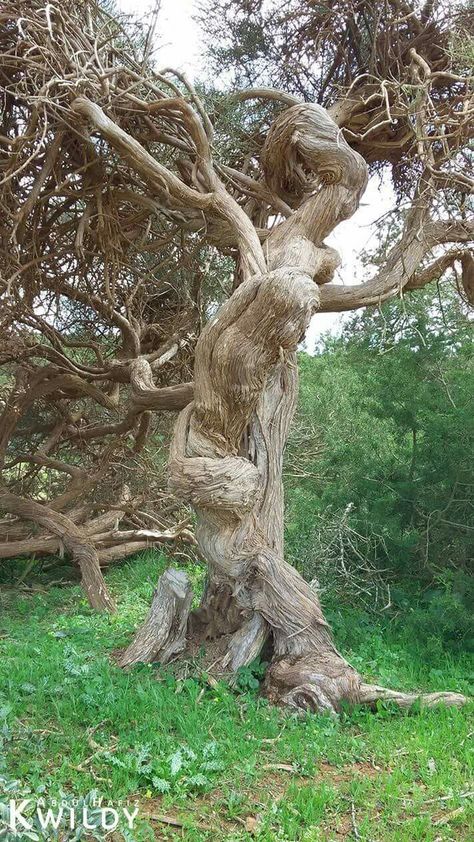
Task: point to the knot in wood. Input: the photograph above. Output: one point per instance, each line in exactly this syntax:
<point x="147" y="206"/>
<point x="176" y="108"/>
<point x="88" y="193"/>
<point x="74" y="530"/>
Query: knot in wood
<point x="305" y="149"/>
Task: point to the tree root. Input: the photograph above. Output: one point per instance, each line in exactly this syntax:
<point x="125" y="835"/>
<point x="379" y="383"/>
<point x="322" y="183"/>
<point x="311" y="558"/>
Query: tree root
<point x="369" y="694"/>
<point x="324" y="684"/>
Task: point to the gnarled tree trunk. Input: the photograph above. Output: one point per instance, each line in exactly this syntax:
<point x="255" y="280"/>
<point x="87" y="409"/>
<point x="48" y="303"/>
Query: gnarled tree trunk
<point x="245" y="389"/>
<point x="227" y="452"/>
<point x="227" y="449"/>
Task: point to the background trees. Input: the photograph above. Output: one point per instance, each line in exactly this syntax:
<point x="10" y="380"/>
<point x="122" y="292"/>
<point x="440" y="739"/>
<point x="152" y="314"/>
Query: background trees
<point x="379" y="477"/>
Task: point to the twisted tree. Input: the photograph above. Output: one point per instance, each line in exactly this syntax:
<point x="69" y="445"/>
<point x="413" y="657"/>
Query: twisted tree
<point x="270" y="206"/>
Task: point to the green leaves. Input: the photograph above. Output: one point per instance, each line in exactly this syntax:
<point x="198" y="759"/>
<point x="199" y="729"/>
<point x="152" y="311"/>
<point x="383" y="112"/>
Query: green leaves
<point x="386" y="499"/>
<point x="248" y="678"/>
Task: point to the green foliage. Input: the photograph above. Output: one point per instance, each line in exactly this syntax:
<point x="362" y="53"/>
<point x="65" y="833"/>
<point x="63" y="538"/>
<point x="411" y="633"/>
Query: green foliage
<point x="445" y="611"/>
<point x="387" y="497"/>
<point x="248" y="678"/>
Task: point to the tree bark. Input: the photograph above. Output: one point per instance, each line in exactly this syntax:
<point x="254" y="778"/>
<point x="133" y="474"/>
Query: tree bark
<point x="163" y="633"/>
<point x="227" y="448"/>
<point x="245" y="374"/>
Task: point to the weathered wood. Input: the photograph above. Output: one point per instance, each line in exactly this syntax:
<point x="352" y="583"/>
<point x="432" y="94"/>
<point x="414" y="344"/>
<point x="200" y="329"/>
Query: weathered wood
<point x="371" y="693"/>
<point x="163" y="634"/>
<point x="226" y="456"/>
<point x="246" y="643"/>
<point x="254" y="336"/>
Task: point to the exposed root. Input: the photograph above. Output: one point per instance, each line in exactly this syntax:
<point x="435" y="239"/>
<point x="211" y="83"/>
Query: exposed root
<point x="322" y="684"/>
<point x="315" y="682"/>
<point x="369" y="694"/>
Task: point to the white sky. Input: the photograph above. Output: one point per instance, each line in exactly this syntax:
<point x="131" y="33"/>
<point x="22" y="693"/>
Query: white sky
<point x="178" y="37"/>
<point x="178" y="43"/>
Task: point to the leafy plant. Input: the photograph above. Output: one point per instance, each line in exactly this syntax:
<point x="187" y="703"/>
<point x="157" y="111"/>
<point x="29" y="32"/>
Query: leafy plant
<point x="249" y="678"/>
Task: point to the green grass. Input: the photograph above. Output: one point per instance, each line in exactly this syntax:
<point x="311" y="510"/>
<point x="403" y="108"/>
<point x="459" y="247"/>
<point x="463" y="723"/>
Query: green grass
<point x="225" y="765"/>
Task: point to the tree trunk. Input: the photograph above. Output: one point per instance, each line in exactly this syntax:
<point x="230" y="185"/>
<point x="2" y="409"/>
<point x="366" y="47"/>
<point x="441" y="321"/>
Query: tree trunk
<point x="263" y="444"/>
<point x="227" y="449"/>
<point x="163" y="633"/>
<point x="245" y="374"/>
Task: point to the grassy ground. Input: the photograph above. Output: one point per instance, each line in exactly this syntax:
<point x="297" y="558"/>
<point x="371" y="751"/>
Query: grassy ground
<point x="208" y="763"/>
